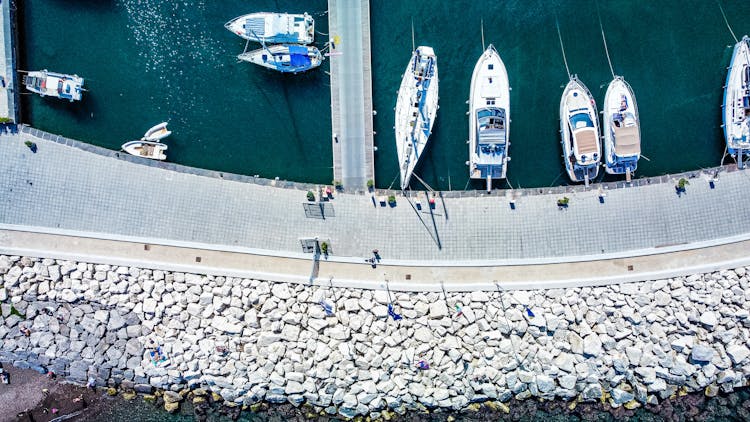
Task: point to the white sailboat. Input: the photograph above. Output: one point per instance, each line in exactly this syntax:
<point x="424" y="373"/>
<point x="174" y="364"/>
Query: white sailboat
<point x="274" y="28"/>
<point x="579" y="132"/>
<point x="736" y="107"/>
<point x="489" y="118"/>
<point x="622" y="129"/>
<point x="416" y="108"/>
<point x="286" y="58"/>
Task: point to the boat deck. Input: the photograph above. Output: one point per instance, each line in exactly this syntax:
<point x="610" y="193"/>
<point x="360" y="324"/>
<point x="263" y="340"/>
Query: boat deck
<point x="351" y="93"/>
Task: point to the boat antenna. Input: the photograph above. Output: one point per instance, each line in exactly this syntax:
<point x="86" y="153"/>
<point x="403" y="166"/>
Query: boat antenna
<point x="481" y="25"/>
<point x="562" y="47"/>
<point x="606" y="49"/>
<point x="412" y="35"/>
<point x="726" y="21"/>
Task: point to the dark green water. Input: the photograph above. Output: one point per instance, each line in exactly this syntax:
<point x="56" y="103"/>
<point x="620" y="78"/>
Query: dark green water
<point x="149" y="60"/>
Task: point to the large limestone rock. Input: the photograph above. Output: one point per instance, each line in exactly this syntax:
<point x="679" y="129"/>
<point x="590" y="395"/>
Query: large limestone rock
<point x="544" y="383"/>
<point x="281" y="291"/>
<point x="621" y="396"/>
<point x="222" y="324"/>
<point x="423" y="335"/>
<point x="592" y="392"/>
<point x="266" y="339"/>
<point x="438" y="310"/>
<point x="576" y="343"/>
<point x="702" y="353"/>
<point x="592" y="346"/>
<point x="149" y="305"/>
<point x="709" y="319"/>
<point x="738" y="353"/>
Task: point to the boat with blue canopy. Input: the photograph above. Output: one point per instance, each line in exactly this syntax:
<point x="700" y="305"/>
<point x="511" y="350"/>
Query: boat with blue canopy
<point x="579" y="132"/>
<point x="489" y="118"/>
<point x="736" y="106"/>
<point x="416" y="108"/>
<point x="274" y="28"/>
<point x="285" y="58"/>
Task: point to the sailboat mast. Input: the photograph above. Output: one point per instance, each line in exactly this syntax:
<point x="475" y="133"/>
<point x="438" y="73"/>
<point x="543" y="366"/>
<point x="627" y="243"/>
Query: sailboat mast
<point x="724" y="15"/>
<point x="413" y="47"/>
<point x="262" y="42"/>
<point x="562" y="47"/>
<point x="606" y="49"/>
<point x="481" y="25"/>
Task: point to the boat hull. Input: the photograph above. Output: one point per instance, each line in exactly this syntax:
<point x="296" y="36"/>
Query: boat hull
<point x="285" y="58"/>
<point x="144" y="149"/>
<point x="622" y="128"/>
<point x="489" y="118"/>
<point x="416" y="108"/>
<point x="579" y="132"/>
<point x="736" y="104"/>
<point x="274" y="28"/>
<point x="53" y="84"/>
<point x="157" y="132"/>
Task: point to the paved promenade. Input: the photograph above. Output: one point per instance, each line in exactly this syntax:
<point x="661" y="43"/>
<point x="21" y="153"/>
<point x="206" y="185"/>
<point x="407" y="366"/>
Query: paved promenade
<point x="86" y="191"/>
<point x="351" y="92"/>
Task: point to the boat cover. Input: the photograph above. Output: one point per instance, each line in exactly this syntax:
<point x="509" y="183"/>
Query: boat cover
<point x="586" y="140"/>
<point x="257" y="25"/>
<point x="298" y="56"/>
<point x="627" y="141"/>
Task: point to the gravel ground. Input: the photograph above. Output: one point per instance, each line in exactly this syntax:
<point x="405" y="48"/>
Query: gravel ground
<point x="24" y="399"/>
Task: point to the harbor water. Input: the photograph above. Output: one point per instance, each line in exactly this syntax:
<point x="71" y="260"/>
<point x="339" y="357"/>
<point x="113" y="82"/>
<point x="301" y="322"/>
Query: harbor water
<point x="147" y="61"/>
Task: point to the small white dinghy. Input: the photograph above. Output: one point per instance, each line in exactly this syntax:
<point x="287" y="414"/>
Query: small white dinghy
<point x="146" y="149"/>
<point x="157" y="132"/>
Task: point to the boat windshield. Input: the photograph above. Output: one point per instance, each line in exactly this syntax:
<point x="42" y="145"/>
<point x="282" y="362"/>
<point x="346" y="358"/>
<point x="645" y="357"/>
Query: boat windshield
<point x="580" y="120"/>
<point x="484" y="114"/>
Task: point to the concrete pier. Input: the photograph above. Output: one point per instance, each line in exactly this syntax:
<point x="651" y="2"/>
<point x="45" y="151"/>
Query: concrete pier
<point x="8" y="57"/>
<point x="351" y="93"/>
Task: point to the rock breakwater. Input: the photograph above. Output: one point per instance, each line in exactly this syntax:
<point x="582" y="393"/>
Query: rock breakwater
<point x="341" y="351"/>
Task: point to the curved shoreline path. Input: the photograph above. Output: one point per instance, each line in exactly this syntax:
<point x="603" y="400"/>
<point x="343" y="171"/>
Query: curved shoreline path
<point x="77" y="201"/>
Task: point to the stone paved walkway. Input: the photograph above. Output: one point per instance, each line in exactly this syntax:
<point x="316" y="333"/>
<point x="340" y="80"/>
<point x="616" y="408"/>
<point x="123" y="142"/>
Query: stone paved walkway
<point x="64" y="187"/>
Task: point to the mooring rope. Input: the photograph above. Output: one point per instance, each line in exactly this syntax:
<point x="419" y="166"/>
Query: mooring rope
<point x="724" y="15"/>
<point x="606" y="49"/>
<point x="562" y="47"/>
